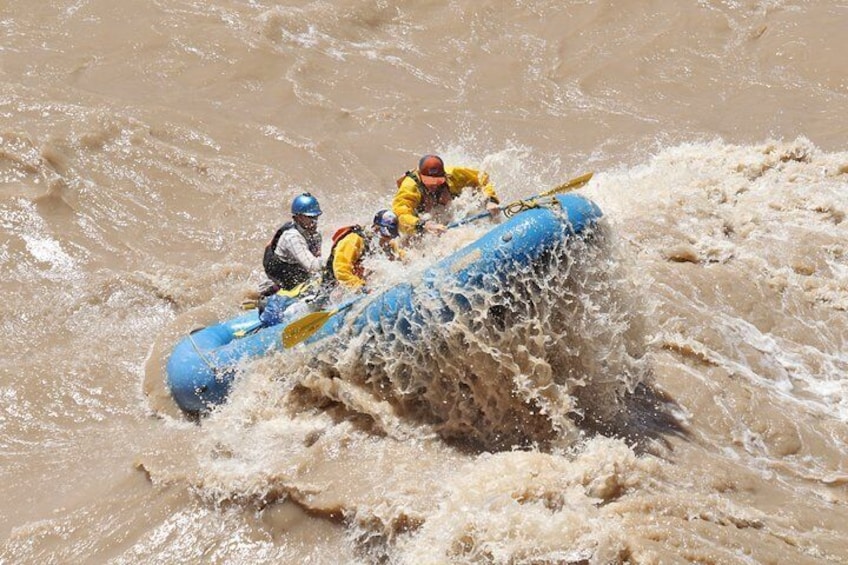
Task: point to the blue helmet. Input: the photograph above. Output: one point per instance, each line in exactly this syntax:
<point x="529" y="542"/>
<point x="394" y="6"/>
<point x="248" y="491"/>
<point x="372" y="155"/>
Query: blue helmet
<point x="386" y="223"/>
<point x="306" y="205"/>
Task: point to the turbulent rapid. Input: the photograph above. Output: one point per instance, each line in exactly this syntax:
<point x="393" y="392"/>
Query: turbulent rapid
<point x="597" y="389"/>
<point x="670" y="389"/>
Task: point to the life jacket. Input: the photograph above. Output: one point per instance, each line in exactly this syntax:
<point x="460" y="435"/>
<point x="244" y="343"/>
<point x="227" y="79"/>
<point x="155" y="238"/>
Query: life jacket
<point x="429" y="199"/>
<point x="329" y="275"/>
<point x="287" y="275"/>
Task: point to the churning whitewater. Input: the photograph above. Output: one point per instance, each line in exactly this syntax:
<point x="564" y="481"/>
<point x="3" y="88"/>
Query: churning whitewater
<point x="669" y="387"/>
<point x="471" y="469"/>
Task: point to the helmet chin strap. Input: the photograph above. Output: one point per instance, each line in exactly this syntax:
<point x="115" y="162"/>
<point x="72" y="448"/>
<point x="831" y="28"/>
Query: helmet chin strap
<point x="306" y="222"/>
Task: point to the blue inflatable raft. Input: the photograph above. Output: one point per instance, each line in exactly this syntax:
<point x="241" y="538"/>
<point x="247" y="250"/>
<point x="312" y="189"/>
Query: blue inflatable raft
<point x="202" y="366"/>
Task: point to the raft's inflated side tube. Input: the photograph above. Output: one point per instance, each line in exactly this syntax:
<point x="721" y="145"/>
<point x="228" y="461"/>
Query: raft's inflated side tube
<point x="202" y="366"/>
<point x="487" y="262"/>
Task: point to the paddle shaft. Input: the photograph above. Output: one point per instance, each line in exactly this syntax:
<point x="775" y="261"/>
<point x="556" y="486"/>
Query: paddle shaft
<point x="248" y="330"/>
<point x="565" y="187"/>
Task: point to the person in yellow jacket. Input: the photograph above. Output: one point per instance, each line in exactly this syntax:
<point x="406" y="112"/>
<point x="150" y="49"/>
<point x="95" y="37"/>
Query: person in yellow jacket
<point x="432" y="187"/>
<point x="351" y="244"/>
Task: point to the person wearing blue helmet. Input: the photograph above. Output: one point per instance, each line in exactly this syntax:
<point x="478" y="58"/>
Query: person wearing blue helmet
<point x="352" y="244"/>
<point x="293" y="255"/>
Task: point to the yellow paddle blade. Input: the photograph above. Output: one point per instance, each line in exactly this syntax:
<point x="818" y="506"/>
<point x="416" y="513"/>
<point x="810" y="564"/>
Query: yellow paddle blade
<point x="296" y="291"/>
<point x="573" y="184"/>
<point x="301" y="329"/>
